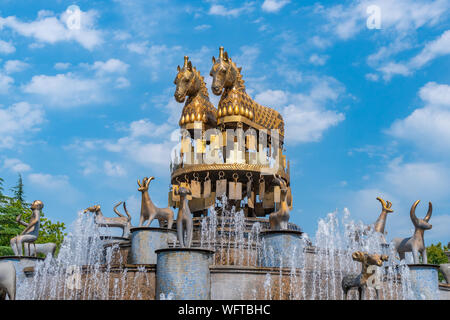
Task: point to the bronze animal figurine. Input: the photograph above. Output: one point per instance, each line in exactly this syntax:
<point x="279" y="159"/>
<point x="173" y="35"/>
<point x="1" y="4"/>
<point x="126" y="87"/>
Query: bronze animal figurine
<point x="380" y="224"/>
<point x="184" y="218"/>
<point x="120" y="222"/>
<point x="227" y="81"/>
<point x="149" y="211"/>
<point x="31" y="232"/>
<point x="191" y="84"/>
<point x="415" y="244"/>
<point x="359" y="281"/>
<point x="279" y="219"/>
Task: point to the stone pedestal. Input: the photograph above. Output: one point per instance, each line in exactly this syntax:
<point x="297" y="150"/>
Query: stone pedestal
<point x="424" y="281"/>
<point x="281" y="248"/>
<point x="183" y="273"/>
<point x="145" y="240"/>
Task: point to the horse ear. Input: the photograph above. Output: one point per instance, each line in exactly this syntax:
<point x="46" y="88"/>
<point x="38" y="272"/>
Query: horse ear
<point x="189" y="66"/>
<point x="240" y="69"/>
<point x="178" y="68"/>
<point x="213" y="59"/>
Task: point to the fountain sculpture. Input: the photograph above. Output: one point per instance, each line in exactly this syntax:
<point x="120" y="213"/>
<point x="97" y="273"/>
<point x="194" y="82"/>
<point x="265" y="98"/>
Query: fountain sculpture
<point x="227" y="176"/>
<point x="7" y="280"/>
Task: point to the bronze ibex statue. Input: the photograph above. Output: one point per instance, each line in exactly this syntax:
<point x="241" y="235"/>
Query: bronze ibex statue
<point x="279" y="219"/>
<point x="149" y="211"/>
<point x="359" y="281"/>
<point x="415" y="244"/>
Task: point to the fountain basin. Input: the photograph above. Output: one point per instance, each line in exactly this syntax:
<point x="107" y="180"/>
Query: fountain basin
<point x="184" y="273"/>
<point x="424" y="281"/>
<point x="144" y="242"/>
<point x="281" y="248"/>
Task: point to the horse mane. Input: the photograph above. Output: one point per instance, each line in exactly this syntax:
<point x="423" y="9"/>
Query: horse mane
<point x="239" y="80"/>
<point x="203" y="89"/>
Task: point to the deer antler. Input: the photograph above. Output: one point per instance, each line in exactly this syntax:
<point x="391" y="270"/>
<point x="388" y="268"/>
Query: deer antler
<point x="126" y="211"/>
<point x="148" y="181"/>
<point x="386" y="205"/>
<point x="139" y="183"/>
<point x="117" y="211"/>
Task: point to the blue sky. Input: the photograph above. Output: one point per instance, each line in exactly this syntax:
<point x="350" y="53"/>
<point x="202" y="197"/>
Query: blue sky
<point x="84" y="113"/>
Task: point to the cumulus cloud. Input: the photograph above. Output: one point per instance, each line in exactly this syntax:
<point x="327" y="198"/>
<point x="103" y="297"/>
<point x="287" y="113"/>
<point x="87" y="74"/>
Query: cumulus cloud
<point x="110" y="66"/>
<point x="306" y="115"/>
<point x="12" y="66"/>
<point x="16" y="165"/>
<point x="6" y="47"/>
<point x="428" y="127"/>
<point x="65" y="90"/>
<point x="19" y="119"/>
<point x="5" y="83"/>
<point x="48" y="28"/>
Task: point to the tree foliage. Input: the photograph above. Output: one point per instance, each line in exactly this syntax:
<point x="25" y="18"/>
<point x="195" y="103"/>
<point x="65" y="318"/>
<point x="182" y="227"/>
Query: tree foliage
<point x="11" y="207"/>
<point x="436" y="255"/>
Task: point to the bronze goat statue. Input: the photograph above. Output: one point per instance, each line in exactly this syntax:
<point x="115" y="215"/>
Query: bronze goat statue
<point x="149" y="211"/>
<point x="279" y="219"/>
<point x="416" y="243"/>
<point x="359" y="281"/>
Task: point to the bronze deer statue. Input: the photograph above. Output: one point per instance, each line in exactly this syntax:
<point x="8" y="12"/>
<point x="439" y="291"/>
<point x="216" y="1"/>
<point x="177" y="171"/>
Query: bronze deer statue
<point x="149" y="211"/>
<point x="120" y="222"/>
<point x="184" y="218"/>
<point x="279" y="219"/>
<point x="191" y="84"/>
<point x="416" y="243"/>
<point x="359" y="281"/>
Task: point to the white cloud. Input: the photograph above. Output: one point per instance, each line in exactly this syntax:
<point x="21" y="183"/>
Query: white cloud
<point x="432" y="50"/>
<point x="113" y="169"/>
<point x="428" y="127"/>
<point x="306" y="115"/>
<point x="220" y="10"/>
<point x="5" y="83"/>
<point x="61" y="65"/>
<point x="16" y="165"/>
<point x="6" y="47"/>
<point x="110" y="66"/>
<point x="318" y="60"/>
<point x="49" y="182"/>
<point x="122" y="82"/>
<point x="202" y="27"/>
<point x="65" y="90"/>
<point x="19" y="119"/>
<point x="12" y="66"/>
<point x="274" y="5"/>
<point x="391" y="69"/>
<point x="400" y="16"/>
<point x="48" y="28"/>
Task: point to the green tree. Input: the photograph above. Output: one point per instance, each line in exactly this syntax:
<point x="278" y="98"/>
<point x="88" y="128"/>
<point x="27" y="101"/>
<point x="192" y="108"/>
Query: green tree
<point x="18" y="190"/>
<point x="436" y="255"/>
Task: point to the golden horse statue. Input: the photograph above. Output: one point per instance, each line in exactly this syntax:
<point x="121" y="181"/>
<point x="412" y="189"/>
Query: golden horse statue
<point x="228" y="82"/>
<point x="191" y="84"/>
